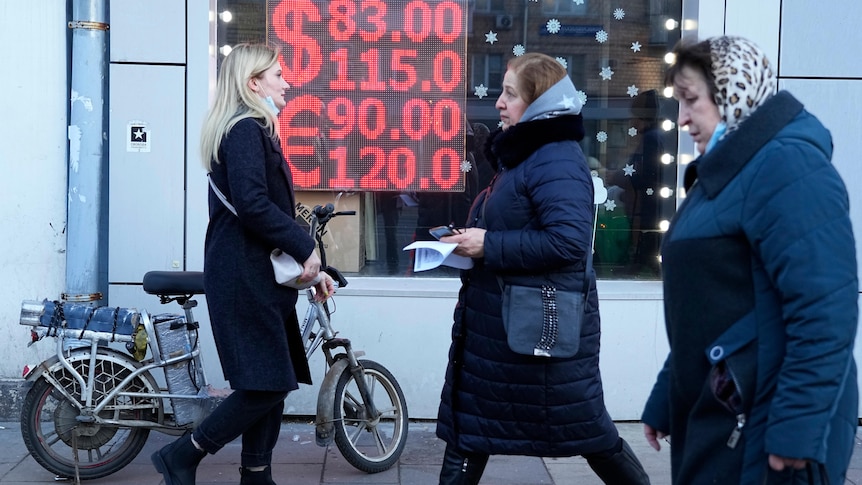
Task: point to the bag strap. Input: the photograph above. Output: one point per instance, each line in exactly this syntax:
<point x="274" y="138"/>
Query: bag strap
<point x="221" y="196"/>
<point x="587" y="269"/>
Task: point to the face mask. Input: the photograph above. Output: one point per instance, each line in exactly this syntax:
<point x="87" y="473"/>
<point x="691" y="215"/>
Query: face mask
<point x="720" y="129"/>
<point x="269" y="101"/>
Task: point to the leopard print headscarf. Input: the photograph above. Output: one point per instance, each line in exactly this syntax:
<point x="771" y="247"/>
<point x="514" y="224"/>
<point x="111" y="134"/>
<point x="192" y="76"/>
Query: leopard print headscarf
<point x="743" y="76"/>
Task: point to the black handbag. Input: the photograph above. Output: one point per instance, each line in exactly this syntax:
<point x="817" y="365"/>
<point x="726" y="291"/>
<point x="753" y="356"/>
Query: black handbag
<point x="545" y="321"/>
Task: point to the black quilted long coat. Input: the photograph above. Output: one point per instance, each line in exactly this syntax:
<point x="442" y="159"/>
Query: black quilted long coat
<point x="538" y="212"/>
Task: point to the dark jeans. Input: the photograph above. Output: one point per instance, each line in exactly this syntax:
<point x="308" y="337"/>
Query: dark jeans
<point x="256" y="415"/>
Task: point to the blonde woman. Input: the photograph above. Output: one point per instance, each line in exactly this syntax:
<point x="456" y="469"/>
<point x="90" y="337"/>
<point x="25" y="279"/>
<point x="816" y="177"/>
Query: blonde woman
<point x="253" y="318"/>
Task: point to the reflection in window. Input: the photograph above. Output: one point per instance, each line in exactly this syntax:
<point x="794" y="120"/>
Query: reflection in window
<point x="488" y="70"/>
<point x="564" y="7"/>
<point x="614" y="54"/>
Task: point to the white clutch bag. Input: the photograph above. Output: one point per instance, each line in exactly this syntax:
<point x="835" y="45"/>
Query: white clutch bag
<point x="287" y="271"/>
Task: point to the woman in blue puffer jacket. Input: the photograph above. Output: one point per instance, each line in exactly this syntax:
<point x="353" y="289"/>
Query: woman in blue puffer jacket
<point x="534" y="221"/>
<point x="760" y="285"/>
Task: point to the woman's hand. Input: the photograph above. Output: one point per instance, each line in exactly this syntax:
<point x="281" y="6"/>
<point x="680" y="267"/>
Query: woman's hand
<point x="471" y="242"/>
<point x="778" y="463"/>
<point x="653" y="435"/>
<point x="324" y="288"/>
<point x="310" y="268"/>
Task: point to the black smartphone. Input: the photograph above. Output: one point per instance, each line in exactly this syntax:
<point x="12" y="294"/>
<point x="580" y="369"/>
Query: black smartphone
<point x="441" y="231"/>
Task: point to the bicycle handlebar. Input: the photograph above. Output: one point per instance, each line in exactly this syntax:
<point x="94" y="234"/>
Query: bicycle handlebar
<point x="322" y="214"/>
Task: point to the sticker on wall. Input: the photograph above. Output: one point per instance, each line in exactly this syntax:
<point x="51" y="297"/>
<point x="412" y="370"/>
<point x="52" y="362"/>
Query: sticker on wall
<point x="138" y="137"/>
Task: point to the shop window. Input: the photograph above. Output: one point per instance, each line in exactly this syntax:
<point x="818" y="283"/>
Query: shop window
<point x="613" y="51"/>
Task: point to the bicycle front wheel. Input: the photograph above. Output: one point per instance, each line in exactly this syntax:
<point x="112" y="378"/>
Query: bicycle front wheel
<point x="370" y="443"/>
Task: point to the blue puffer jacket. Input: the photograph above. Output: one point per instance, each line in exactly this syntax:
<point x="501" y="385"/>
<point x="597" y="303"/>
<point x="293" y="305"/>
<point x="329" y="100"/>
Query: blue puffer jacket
<point x="538" y="213"/>
<point x="760" y="287"/>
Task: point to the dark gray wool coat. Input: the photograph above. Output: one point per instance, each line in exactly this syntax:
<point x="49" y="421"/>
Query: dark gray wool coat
<point x="254" y="318"/>
<point x="538" y="212"/>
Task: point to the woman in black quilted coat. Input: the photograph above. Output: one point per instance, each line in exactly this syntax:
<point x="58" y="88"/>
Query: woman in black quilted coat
<point x="534" y="221"/>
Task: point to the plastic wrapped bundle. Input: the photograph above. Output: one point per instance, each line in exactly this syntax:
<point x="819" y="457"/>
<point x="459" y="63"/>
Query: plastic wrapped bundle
<point x="184" y="377"/>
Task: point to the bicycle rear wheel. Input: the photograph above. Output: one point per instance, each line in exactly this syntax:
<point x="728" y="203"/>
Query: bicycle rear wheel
<point x="54" y="436"/>
<point x="370" y="443"/>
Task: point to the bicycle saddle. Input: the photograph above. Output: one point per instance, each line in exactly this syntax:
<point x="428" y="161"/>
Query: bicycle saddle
<point x="174" y="283"/>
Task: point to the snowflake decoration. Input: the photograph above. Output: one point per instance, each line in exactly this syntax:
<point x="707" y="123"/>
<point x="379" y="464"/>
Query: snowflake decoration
<point x="491" y="37"/>
<point x="649" y="191"/>
<point x="518" y="50"/>
<point x="480" y="91"/>
<point x="568" y="103"/>
<point x="606" y="73"/>
<point x="629" y="170"/>
<point x="633" y="131"/>
<point x="500" y="124"/>
<point x="583" y="96"/>
<point x="602" y="36"/>
<point x="636" y="46"/>
<point x="632" y="91"/>
<point x="619" y="14"/>
<point x="563" y="62"/>
<point x="578" y="2"/>
<point x="466" y="166"/>
<point x="610" y="205"/>
<point x="553" y="26"/>
<point x="601" y="137"/>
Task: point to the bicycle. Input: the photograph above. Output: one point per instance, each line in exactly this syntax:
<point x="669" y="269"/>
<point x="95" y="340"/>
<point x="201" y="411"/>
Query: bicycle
<point x="90" y="407"/>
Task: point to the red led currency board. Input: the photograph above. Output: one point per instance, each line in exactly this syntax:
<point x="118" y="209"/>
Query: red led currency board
<point x="377" y="98"/>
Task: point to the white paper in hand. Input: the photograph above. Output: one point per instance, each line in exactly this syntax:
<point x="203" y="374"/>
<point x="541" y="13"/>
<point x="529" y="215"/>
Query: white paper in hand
<point x="287" y="271"/>
<point x="431" y="254"/>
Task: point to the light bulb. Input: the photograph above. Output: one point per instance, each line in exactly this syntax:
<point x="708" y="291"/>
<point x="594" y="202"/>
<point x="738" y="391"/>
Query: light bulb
<point x="667" y="159"/>
<point x="665" y="192"/>
<point x="226" y="16"/>
<point x="670" y="58"/>
<point x="671" y="24"/>
<point x="225" y="50"/>
<point x="668" y="92"/>
<point x="667" y="125"/>
<point x="663" y="225"/>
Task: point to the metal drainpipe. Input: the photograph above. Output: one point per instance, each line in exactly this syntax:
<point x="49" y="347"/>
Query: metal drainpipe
<point x="86" y="236"/>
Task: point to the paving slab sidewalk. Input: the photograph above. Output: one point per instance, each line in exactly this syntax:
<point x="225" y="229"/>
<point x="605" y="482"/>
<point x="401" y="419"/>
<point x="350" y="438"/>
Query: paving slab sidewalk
<point x="298" y="460"/>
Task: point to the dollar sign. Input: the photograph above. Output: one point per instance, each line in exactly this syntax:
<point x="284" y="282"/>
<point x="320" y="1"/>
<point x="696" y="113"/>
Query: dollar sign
<point x="301" y="57"/>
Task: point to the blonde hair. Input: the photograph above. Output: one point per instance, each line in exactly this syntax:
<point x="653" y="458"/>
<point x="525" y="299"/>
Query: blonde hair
<point x="235" y="100"/>
<point x="536" y="73"/>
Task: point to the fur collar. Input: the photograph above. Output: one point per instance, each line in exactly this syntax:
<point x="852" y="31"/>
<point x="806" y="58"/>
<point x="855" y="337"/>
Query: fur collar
<point x="511" y="147"/>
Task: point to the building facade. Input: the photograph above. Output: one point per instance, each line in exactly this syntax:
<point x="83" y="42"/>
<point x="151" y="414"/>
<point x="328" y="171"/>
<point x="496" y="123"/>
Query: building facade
<point x="144" y="207"/>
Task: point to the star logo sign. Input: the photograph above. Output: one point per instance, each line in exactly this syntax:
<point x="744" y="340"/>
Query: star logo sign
<point x="138" y="134"/>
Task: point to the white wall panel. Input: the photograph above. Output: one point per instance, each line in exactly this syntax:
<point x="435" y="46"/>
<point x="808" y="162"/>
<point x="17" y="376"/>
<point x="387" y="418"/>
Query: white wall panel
<point x="819" y="39"/>
<point x="146" y="230"/>
<point x="758" y="21"/>
<point x="201" y="81"/>
<point x="838" y="105"/>
<point x="150" y="31"/>
<point x="33" y="140"/>
<point x="708" y="16"/>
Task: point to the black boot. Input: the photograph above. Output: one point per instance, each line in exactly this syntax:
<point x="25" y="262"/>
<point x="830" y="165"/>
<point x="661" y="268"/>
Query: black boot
<point x="178" y="461"/>
<point x="621" y="467"/>
<point x="262" y="477"/>
<point x="461" y="468"/>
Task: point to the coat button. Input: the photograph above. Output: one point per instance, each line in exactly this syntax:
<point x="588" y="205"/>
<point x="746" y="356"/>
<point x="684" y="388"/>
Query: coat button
<point x="716" y="352"/>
